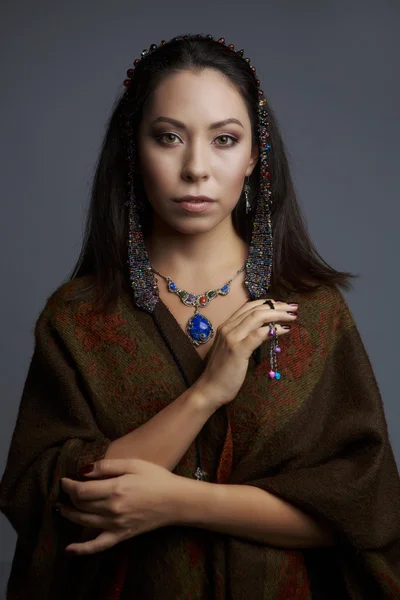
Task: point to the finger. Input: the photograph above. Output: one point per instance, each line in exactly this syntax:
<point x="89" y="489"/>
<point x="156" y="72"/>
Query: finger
<point x="113" y="467"/>
<point x="105" y="540"/>
<point x="246" y="323"/>
<point x="256" y="337"/>
<point x="280" y="329"/>
<point x="97" y="507"/>
<point x="277" y="306"/>
<point x="84" y="518"/>
<point x="258" y="305"/>
<point x="86" y="491"/>
<point x="248" y="306"/>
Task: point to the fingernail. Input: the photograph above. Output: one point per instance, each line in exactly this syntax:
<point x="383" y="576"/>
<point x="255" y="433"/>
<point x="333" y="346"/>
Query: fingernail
<point x="286" y="326"/>
<point x="293" y="304"/>
<point x="86" y="469"/>
<point x="292" y="313"/>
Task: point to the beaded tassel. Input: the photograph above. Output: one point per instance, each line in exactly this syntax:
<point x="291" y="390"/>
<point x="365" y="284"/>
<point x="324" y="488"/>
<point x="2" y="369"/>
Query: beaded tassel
<point x="143" y="283"/>
<point x="274" y="349"/>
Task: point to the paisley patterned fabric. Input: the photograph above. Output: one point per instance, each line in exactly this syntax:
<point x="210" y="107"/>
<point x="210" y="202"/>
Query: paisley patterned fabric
<point x="317" y="438"/>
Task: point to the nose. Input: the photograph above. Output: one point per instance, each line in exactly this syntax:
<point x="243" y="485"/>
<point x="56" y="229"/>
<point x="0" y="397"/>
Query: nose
<point x="195" y="166"/>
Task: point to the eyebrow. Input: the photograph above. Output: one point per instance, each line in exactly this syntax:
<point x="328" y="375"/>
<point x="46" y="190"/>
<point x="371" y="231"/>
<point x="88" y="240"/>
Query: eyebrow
<point x="215" y="125"/>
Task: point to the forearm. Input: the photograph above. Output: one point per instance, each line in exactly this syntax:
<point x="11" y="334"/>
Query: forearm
<point x="165" y="438"/>
<point x="248" y="512"/>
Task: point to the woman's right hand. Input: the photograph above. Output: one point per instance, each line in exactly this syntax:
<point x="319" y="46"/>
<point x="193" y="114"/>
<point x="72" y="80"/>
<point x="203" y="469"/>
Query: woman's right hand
<point x="235" y="341"/>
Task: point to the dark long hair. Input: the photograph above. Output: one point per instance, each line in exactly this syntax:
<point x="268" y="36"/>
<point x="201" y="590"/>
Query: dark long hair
<point x="297" y="264"/>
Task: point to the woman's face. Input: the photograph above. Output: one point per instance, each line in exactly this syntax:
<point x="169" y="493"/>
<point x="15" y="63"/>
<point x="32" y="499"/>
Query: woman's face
<point x="190" y="157"/>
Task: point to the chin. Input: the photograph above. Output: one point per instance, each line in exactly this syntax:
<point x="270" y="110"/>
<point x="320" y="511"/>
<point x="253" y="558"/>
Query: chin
<point x="193" y="226"/>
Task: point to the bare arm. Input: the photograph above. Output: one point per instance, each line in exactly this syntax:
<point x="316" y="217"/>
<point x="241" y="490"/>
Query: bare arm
<point x="248" y="512"/>
<point x="164" y="439"/>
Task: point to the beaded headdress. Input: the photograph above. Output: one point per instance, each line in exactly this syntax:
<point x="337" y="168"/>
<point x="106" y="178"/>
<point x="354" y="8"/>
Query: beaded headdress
<point x="259" y="262"/>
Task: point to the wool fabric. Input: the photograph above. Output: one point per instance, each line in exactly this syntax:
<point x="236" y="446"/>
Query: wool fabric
<point x="318" y="438"/>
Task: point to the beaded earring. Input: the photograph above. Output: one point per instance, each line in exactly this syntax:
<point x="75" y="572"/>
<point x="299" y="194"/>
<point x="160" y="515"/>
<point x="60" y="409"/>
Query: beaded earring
<point x="259" y="262"/>
<point x="247" y="188"/>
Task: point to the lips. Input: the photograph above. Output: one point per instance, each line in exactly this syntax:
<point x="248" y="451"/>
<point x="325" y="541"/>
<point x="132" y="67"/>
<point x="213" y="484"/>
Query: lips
<point x="195" y="199"/>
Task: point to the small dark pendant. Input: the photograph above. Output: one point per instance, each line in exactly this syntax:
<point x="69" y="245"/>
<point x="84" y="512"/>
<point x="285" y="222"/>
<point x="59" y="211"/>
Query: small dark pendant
<point x="199" y="329"/>
<point x="201" y="475"/>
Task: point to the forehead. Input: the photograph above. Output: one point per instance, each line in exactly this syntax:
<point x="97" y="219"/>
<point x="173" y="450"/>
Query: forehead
<point x="205" y="95"/>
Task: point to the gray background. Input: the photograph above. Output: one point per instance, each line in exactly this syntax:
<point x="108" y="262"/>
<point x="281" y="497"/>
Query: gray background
<point x="330" y="70"/>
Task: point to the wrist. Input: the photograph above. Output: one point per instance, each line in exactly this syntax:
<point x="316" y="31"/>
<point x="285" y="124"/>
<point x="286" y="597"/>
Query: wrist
<point x="192" y="501"/>
<point x="202" y="399"/>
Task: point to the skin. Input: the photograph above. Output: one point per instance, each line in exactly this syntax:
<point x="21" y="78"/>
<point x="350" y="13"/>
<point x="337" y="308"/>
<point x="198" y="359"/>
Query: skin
<point x="196" y="249"/>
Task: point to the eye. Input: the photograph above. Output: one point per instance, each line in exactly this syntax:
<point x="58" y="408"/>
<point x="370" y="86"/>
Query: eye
<point x="159" y="137"/>
<point x="228" y="137"/>
<point x="173" y="135"/>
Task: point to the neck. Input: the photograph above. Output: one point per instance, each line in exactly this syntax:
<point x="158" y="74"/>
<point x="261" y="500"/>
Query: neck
<point x="202" y="260"/>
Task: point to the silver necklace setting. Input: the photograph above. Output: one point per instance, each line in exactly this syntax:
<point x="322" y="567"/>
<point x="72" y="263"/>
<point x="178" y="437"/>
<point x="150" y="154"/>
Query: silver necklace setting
<point x="198" y="328"/>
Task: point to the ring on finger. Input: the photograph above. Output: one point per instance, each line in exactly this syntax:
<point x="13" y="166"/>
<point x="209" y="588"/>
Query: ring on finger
<point x="270" y="303"/>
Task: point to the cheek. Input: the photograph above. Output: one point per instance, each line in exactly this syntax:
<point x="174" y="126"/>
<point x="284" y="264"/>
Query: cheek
<point x="158" y="178"/>
<point x="232" y="167"/>
<point x="232" y="179"/>
<point x="156" y="166"/>
<point x="236" y="178"/>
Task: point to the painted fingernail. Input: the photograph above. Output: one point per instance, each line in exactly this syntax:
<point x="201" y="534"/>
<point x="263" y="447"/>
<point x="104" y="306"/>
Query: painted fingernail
<point x="292" y="313"/>
<point x="293" y="304"/>
<point x="286" y="326"/>
<point x="86" y="469"/>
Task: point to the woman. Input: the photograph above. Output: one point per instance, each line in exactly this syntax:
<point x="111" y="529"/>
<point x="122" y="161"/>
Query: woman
<point x="200" y="418"/>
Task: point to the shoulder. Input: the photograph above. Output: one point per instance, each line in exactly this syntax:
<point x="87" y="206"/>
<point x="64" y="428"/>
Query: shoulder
<point x="326" y="306"/>
<point x="329" y="296"/>
<point x="66" y="300"/>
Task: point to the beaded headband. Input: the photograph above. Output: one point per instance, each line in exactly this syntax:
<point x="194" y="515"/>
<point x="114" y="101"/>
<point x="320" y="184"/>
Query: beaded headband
<point x="259" y="262"/>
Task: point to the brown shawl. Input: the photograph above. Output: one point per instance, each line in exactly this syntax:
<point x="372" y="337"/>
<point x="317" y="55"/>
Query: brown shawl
<point x="317" y="438"/>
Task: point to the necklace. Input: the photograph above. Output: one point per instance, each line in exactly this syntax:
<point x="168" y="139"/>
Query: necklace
<point x="198" y="328"/>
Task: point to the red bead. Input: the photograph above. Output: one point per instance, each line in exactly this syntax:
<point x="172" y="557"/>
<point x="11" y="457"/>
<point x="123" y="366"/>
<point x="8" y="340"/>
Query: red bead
<point x="136" y="61"/>
<point x="253" y="69"/>
<point x="127" y="83"/>
<point x="130" y="72"/>
<point x="203" y="299"/>
<point x="221" y="40"/>
<point x="268" y="175"/>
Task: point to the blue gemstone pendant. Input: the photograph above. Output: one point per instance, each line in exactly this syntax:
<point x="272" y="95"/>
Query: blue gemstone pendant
<point x="199" y="329"/>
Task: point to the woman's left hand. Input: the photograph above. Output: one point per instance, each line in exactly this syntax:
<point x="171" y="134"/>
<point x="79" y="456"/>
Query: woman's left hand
<point x="125" y="498"/>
